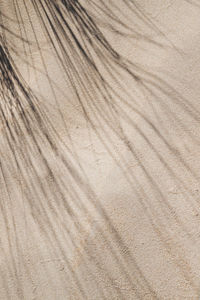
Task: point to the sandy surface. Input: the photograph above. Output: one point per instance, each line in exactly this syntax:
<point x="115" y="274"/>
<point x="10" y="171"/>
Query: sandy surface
<point x="122" y="219"/>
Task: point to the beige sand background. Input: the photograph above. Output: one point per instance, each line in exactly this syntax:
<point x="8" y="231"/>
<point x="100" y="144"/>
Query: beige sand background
<point x="139" y="234"/>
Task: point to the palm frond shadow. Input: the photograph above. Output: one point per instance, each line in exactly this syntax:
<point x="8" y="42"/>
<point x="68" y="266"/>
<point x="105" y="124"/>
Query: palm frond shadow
<point x="31" y="145"/>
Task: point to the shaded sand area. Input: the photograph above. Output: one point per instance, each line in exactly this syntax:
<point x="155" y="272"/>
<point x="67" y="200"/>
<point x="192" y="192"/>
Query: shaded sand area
<point x="100" y="188"/>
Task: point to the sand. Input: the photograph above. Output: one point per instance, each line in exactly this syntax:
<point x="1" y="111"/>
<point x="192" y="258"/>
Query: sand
<point x="121" y="219"/>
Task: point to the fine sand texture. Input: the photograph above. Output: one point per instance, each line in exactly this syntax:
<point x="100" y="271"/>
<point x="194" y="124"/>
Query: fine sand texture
<point x="99" y="150"/>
